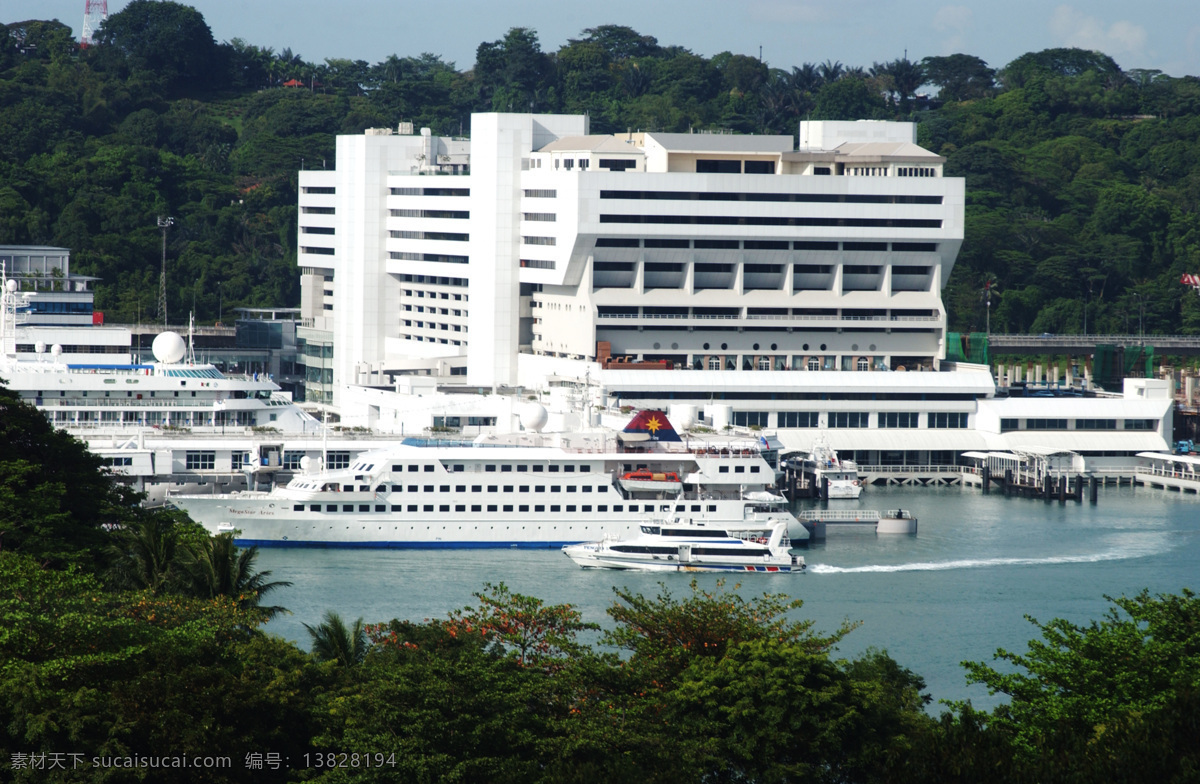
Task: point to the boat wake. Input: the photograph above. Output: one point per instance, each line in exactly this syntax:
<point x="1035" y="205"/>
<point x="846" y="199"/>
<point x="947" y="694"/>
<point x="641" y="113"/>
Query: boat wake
<point x="980" y="563"/>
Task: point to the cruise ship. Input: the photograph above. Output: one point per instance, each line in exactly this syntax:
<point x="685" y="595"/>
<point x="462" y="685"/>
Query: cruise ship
<point x="528" y="490"/>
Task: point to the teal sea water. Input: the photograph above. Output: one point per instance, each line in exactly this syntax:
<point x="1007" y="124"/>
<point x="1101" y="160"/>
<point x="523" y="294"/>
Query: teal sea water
<point x="956" y="591"/>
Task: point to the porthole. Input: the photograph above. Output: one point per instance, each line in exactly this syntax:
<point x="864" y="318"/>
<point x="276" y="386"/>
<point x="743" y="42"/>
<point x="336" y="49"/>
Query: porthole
<point x="822" y="346"/>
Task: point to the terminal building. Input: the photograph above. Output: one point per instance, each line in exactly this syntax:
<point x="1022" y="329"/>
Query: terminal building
<point x="763" y="283"/>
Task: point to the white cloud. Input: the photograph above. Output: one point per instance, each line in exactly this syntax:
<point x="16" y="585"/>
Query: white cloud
<point x="953" y="21"/>
<point x="1075" y="28"/>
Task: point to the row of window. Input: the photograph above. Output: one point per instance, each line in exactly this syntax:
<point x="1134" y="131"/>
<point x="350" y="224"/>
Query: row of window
<point x="941" y="420"/>
<point x="444" y="236"/>
<point x="491" y="468"/>
<point x="1008" y="425"/>
<point x="429" y="191"/>
<point x="446" y="214"/>
<point x="829" y="198"/>
<point x="633" y="242"/>
<point x="580" y="508"/>
<point x="480" y="488"/>
<point x="759" y="220"/>
<point x="441" y="258"/>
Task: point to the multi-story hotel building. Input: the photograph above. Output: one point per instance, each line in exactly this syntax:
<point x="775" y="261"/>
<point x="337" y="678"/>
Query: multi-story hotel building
<point x="707" y="251"/>
<point x="782" y="286"/>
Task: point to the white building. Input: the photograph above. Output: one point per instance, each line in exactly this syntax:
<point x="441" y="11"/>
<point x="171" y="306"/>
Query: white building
<point x="707" y="251"/>
<point x="774" y="287"/>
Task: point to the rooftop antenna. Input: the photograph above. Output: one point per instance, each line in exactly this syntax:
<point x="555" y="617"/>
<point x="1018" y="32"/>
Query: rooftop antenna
<point x="94" y="14"/>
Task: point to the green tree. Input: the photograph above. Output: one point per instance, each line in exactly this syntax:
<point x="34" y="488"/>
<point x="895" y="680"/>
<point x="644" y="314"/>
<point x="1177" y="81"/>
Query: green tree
<point x="168" y="39"/>
<point x="215" y="567"/>
<point x="333" y="641"/>
<point x="847" y="99"/>
<point x="1084" y="698"/>
<point x="960" y="77"/>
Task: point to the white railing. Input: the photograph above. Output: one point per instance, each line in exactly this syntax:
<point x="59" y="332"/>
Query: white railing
<point x="912" y="469"/>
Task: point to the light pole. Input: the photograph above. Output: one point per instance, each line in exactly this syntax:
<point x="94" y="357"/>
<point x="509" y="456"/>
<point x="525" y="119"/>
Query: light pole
<point x="1140" y="299"/>
<point x="220" y="303"/>
<point x="164" y="224"/>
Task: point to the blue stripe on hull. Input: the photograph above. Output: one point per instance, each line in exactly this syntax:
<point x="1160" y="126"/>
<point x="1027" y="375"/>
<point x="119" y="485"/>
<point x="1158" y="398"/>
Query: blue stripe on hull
<point x="406" y="545"/>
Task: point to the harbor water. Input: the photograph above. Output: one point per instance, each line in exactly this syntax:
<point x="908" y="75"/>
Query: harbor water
<point x="956" y="591"/>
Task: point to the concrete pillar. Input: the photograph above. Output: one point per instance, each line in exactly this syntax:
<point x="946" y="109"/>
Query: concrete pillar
<point x="1189" y="390"/>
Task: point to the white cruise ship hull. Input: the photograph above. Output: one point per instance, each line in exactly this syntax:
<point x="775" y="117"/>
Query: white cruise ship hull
<point x="260" y="520"/>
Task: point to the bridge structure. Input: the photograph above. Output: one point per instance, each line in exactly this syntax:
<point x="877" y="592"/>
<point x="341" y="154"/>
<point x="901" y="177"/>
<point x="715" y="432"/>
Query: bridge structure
<point x="1169" y="345"/>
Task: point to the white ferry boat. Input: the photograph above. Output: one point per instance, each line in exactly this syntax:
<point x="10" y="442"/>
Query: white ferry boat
<point x="838" y="479"/>
<point x="680" y="546"/>
<point x="522" y="490"/>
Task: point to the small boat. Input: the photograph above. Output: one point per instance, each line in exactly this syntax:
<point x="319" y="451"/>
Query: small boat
<point x="836" y="478"/>
<point x="644" y="481"/>
<point x="681" y="546"/>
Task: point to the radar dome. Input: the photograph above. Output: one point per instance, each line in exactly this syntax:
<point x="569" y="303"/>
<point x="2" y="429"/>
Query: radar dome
<point x="534" y="417"/>
<point x="305" y="463"/>
<point x="56" y="350"/>
<point x="11" y="285"/>
<point x="168" y="348"/>
<point x="39" y="347"/>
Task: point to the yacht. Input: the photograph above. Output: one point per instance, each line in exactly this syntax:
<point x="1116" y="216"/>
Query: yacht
<point x="833" y="477"/>
<point x="680" y="545"/>
<point x="507" y="490"/>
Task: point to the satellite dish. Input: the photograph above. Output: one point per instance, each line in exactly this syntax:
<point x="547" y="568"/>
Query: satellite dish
<point x="534" y="417"/>
<point x="169" y="348"/>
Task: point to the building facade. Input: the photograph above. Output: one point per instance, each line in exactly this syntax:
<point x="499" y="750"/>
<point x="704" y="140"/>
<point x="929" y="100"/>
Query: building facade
<point x="705" y="251"/>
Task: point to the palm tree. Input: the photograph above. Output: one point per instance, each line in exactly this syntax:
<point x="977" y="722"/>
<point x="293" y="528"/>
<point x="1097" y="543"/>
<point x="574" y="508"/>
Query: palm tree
<point x="333" y="641"/>
<point x="831" y="71"/>
<point x="216" y="567"/>
<point x="145" y="554"/>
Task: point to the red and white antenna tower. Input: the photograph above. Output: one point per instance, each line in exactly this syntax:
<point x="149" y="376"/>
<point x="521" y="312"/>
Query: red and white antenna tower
<point x="94" y="14"/>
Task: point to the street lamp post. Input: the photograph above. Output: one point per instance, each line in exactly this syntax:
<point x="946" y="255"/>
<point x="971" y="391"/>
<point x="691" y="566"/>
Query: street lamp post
<point x="1140" y="299"/>
<point x="220" y="303"/>
<point x="164" y="224"/>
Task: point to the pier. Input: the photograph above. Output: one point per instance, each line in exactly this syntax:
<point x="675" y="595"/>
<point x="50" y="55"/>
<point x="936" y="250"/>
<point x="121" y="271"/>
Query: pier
<point x="820" y="521"/>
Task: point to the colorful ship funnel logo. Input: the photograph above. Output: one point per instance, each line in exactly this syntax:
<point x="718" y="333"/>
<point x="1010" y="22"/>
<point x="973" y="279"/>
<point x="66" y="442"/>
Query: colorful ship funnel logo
<point x="654" y="424"/>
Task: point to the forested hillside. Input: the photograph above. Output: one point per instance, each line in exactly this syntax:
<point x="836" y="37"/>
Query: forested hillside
<point x="1083" y="179"/>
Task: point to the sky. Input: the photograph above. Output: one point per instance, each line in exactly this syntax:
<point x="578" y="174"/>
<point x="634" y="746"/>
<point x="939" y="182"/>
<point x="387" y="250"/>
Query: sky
<point x="1157" y="34"/>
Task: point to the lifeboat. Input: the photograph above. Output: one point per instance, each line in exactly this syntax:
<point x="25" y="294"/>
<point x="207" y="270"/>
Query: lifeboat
<point x="644" y="481"/>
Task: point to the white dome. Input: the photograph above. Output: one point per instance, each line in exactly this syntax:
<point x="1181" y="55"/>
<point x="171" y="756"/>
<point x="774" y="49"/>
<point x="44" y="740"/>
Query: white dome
<point x="11" y="285"/>
<point x="305" y="463"/>
<point x="534" y="417"/>
<point x="39" y="347"/>
<point x="169" y="348"/>
<point x="56" y="350"/>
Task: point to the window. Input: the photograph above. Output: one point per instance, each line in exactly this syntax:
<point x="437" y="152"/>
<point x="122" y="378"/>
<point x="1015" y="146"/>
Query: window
<point x="957" y="420"/>
<point x="798" y="418"/>
<point x="291" y="461"/>
<point x="1095" y="424"/>
<point x="848" y="419"/>
<point x="750" y="418"/>
<point x="617" y="165"/>
<point x="238" y="459"/>
<point x="201" y="461"/>
<point x="1009" y="425"/>
<point x="1045" y="424"/>
<point x="1141" y="424"/>
<point x="901" y="419"/>
<point x="338" y="460"/>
